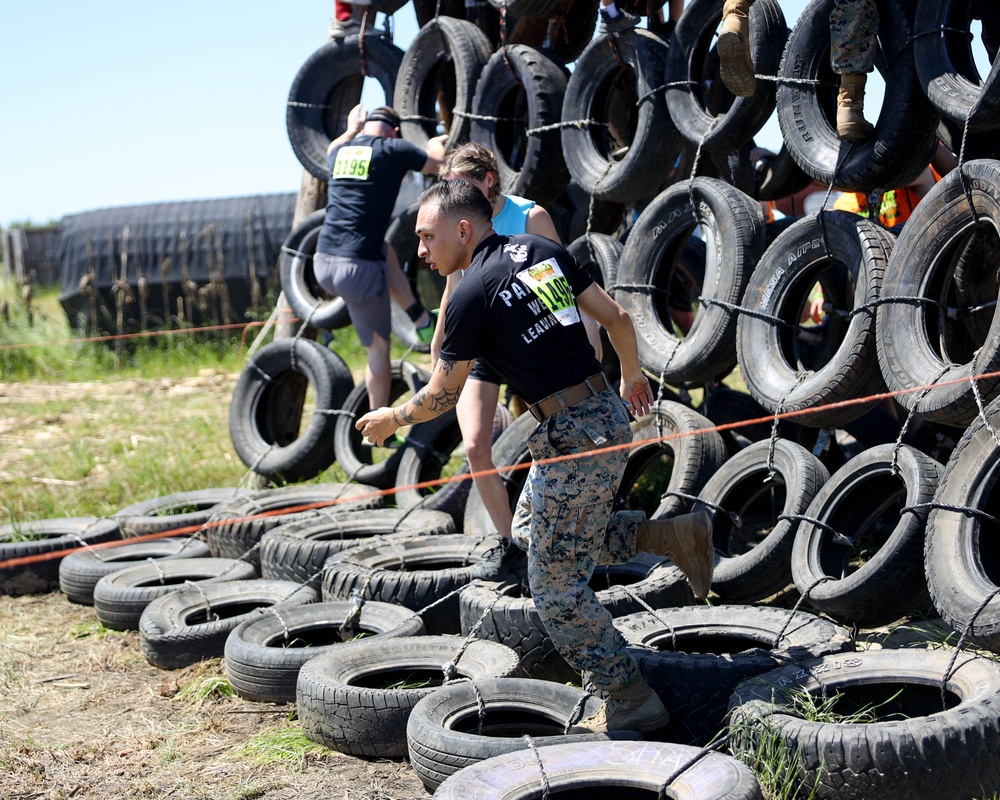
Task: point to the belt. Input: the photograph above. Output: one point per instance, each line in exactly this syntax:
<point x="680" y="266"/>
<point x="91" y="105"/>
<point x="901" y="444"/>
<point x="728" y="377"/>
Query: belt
<point x="570" y="396"/>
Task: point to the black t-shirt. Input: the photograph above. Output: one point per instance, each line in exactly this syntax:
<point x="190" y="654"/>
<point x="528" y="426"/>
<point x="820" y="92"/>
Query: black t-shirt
<point x="365" y="175"/>
<point x="515" y="308"/>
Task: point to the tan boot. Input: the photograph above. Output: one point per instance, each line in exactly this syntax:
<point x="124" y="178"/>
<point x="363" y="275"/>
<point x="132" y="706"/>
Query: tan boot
<point x="635" y="707"/>
<point x="735" y="62"/>
<point x="687" y="541"/>
<point x="851" y="123"/>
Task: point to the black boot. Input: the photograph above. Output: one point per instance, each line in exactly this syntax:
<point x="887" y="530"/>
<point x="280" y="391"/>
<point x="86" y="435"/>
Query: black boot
<point x="502" y="561"/>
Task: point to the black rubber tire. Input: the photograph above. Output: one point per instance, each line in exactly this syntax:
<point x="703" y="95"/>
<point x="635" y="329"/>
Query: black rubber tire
<point x="648" y="263"/>
<point x="916" y="748"/>
<point x="905" y="133"/>
<point x="918" y="343"/>
<point x="437" y="80"/>
<point x="607" y="769"/>
<point x="865" y="501"/>
<point x="436" y="446"/>
<point x="750" y="422"/>
<point x="789" y="367"/>
<point x="701" y="107"/>
<point x="192" y="623"/>
<point x="521" y="89"/>
<point x="464" y="723"/>
<point x="695" y="452"/>
<point x="38" y="538"/>
<point x="513" y="619"/>
<point x="528" y="8"/>
<point x="297" y="551"/>
<point x="79" y="572"/>
<point x="781" y="177"/>
<point x="344" y="697"/>
<point x="302" y="291"/>
<point x="946" y="67"/>
<point x="122" y="596"/>
<point x="265" y="436"/>
<point x="413" y="571"/>
<point x="702" y="653"/>
<point x="263" y="654"/>
<point x="327" y="86"/>
<point x="237" y="527"/>
<point x="354" y="456"/>
<point x="754" y="557"/>
<point x="615" y="87"/>
<point x="598" y="254"/>
<point x="960" y="554"/>
<point x="182" y="512"/>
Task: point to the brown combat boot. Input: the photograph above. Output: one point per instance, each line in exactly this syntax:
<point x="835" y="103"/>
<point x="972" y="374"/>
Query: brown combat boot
<point x="735" y="62"/>
<point x="851" y="123"/>
<point x="687" y="541"/>
<point x="635" y="707"/>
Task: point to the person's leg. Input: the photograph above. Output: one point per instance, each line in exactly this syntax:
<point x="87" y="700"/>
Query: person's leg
<point x="402" y="294"/>
<point x="853" y="37"/>
<point x="735" y="62"/>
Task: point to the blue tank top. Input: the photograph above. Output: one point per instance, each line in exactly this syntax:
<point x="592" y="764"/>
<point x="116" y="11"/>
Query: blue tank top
<point x="513" y="217"/>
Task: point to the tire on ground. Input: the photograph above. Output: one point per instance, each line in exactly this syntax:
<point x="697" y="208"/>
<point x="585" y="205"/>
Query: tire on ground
<point x="265" y="436"/>
<point x="182" y="510"/>
<point x="263" y="655"/>
<point x="348" y="699"/>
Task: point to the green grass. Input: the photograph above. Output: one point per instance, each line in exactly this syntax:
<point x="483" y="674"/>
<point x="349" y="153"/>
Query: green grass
<point x="206" y="687"/>
<point x="286" y="743"/>
<point x="758" y="743"/>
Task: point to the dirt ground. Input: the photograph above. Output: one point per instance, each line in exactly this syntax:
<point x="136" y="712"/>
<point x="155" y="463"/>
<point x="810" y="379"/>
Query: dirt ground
<point x="84" y="716"/>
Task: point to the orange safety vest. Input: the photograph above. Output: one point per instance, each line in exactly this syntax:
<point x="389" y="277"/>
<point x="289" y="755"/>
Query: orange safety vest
<point x="896" y="205"/>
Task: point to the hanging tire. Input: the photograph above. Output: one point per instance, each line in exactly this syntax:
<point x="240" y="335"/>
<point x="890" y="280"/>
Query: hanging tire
<point x="876" y="576"/>
<point x="788" y="366"/>
<point x="780" y="177"/>
<point x="413" y="571"/>
<point x="182" y="512"/>
<point x="437" y="80"/>
<point x="508" y="614"/>
<point x="960" y="556"/>
<point x="519" y="91"/>
<point x="327" y="86"/>
<point x="648" y="267"/>
<point x="616" y="89"/>
<point x="436" y="449"/>
<point x="693" y="450"/>
<point x="904" y="139"/>
<point x="355" y="457"/>
<point x="702" y="109"/>
<point x="121" y="597"/>
<point x="79" y="572"/>
<point x="266" y="437"/>
<point x="36" y="540"/>
<point x="192" y="623"/>
<point x="598" y="254"/>
<point x="934" y="333"/>
<point x="604" y="768"/>
<point x="914" y="748"/>
<point x="946" y="67"/>
<point x="237" y="527"/>
<point x="346" y="700"/>
<point x="302" y="291"/>
<point x="702" y="653"/>
<point x="464" y="723"/>
<point x="296" y="551"/>
<point x="263" y="655"/>
<point x="754" y="550"/>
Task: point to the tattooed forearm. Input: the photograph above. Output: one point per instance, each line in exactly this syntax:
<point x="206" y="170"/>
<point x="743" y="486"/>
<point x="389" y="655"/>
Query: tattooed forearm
<point x="437" y="403"/>
<point x="401" y="418"/>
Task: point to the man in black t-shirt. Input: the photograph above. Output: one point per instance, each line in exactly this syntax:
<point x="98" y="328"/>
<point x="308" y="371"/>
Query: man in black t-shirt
<point x="367" y="165"/>
<point x="518" y="308"/>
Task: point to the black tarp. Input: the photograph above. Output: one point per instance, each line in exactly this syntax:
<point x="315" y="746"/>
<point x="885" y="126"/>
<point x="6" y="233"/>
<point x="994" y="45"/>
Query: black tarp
<point x="199" y="262"/>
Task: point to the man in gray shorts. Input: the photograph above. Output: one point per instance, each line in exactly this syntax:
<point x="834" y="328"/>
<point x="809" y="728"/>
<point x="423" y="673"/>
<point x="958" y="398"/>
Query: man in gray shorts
<point x="367" y="165"/>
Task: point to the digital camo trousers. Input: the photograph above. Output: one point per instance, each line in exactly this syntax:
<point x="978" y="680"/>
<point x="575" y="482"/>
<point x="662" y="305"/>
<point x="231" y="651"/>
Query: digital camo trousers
<point x="564" y="521"/>
<point x="853" y="36"/>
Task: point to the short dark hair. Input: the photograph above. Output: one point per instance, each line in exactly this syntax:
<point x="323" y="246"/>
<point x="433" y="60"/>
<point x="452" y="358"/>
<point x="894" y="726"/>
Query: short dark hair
<point x="384" y="114"/>
<point x="459" y="198"/>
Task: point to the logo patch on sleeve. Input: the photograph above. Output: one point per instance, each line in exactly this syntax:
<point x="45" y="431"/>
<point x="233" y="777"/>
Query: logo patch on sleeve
<point x="548" y="283"/>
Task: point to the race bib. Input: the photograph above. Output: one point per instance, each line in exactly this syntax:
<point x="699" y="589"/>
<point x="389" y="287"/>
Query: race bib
<point x="352" y="163"/>
<point x="548" y="283"/>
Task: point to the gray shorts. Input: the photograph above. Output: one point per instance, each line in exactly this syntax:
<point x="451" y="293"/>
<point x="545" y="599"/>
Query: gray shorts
<point x="365" y="288"/>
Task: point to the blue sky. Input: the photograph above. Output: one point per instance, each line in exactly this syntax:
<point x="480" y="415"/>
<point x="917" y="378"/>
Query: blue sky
<point x="113" y="103"/>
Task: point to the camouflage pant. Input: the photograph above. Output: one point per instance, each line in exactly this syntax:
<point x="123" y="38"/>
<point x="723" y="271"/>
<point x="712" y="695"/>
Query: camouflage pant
<point x="853" y="32"/>
<point x="562" y="520"/>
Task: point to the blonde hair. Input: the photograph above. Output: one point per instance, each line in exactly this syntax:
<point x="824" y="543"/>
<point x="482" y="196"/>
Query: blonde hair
<point x="473" y="161"/>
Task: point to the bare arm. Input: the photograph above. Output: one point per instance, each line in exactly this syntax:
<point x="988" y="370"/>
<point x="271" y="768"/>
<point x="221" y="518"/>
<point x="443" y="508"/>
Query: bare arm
<point x="355" y="122"/>
<point x="439" y="395"/>
<point x="635" y="386"/>
<point x="435" y="154"/>
<point x="540" y="223"/>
